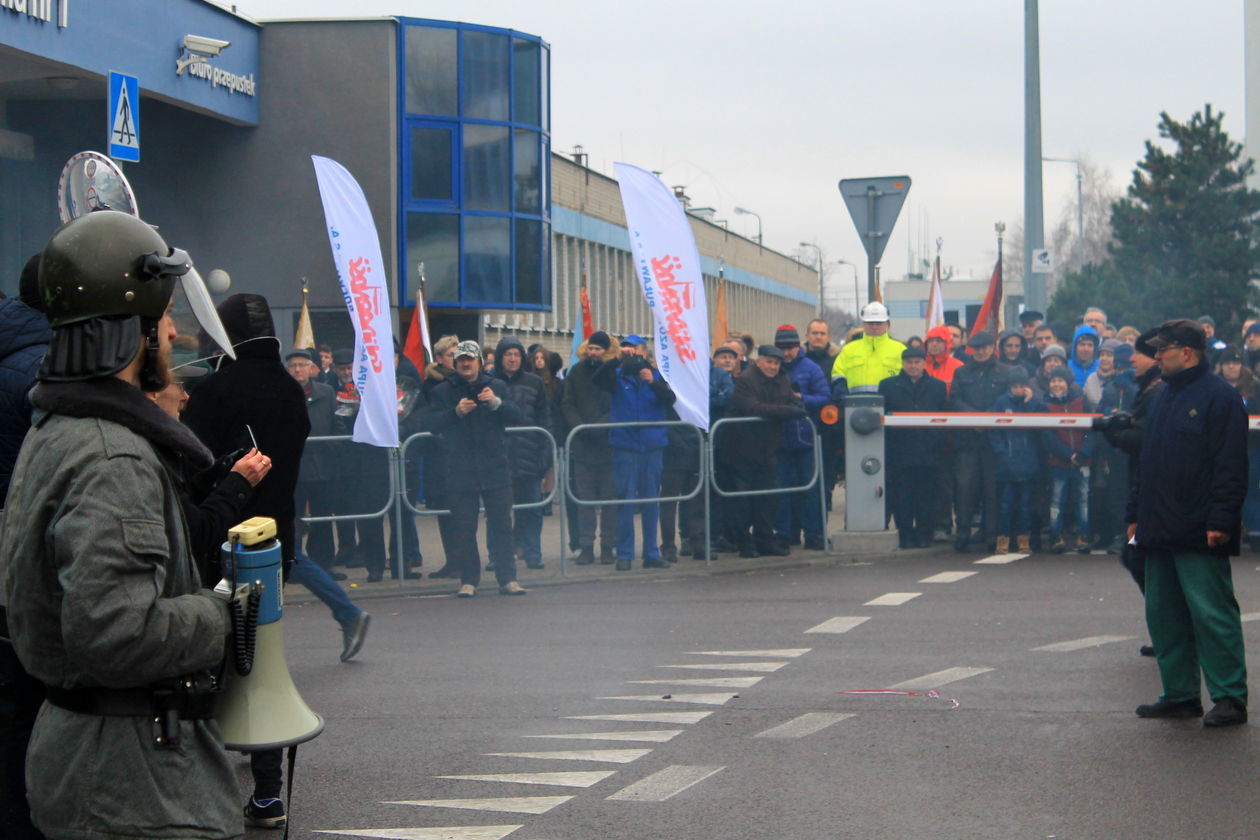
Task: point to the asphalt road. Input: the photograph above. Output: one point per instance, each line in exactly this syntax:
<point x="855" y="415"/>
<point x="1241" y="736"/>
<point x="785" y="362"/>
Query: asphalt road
<point x="1043" y="742"/>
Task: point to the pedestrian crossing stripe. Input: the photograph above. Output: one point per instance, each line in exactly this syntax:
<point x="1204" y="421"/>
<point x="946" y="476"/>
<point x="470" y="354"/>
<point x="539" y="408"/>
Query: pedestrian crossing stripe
<point x="707" y="682"/>
<point x="705" y="699"/>
<point x="1000" y="559"/>
<point x="948" y="577"/>
<point x="581" y="779"/>
<point x="610" y="756"/>
<point x="459" y="832"/>
<point x="658" y="736"/>
<point x="649" y="717"/>
<point x="762" y="667"/>
<point x="940" y="678"/>
<point x="508" y="804"/>
<point x="1081" y="644"/>
<point x="665" y="784"/>
<point x="892" y="599"/>
<point x="790" y="653"/>
<point x="839" y="624"/>
<point x="806" y="724"/>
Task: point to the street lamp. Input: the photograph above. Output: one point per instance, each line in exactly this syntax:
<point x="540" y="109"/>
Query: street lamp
<point x="820" y="272"/>
<point x="1080" y="206"/>
<point x="857" y="299"/>
<point x="740" y="211"/>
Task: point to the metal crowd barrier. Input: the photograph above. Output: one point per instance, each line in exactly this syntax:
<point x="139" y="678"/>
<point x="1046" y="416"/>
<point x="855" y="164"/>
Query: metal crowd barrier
<point x="814" y="481"/>
<point x="701" y="472"/>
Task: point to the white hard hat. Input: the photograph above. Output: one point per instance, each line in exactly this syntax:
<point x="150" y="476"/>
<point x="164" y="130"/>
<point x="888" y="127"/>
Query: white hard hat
<point x="874" y="312"/>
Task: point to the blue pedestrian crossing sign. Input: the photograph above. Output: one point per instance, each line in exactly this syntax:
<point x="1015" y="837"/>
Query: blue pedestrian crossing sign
<point x="124" y="117"/>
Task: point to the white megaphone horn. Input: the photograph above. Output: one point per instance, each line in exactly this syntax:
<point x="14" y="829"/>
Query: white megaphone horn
<point x="260" y="708"/>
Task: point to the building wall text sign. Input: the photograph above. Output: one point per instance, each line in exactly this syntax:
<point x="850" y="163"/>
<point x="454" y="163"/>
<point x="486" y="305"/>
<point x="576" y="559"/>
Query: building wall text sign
<point x="40" y="10"/>
<point x="194" y="61"/>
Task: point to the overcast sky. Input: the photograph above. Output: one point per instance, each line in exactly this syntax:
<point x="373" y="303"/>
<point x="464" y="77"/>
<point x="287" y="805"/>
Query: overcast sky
<point x="767" y="105"/>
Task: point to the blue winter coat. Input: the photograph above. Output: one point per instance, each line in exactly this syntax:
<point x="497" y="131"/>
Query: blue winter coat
<point x="808" y="379"/>
<point x="1192" y="473"/>
<point x="1082" y="373"/>
<point x="634" y="400"/>
<point x="24" y="336"/>
<point x="721" y="389"/>
<point x="1018" y="450"/>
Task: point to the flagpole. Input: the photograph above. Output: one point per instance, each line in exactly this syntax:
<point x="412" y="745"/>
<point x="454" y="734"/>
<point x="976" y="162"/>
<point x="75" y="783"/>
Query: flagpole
<point x="1000" y="227"/>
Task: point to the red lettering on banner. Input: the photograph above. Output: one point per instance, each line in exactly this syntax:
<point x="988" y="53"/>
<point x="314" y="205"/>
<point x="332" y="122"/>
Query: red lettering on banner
<point x="366" y="305"/>
<point x="676" y="296"/>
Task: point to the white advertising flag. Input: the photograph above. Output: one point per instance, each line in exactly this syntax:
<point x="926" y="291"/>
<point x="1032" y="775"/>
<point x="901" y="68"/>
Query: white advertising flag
<point x="356" y="250"/>
<point x="667" y="265"/>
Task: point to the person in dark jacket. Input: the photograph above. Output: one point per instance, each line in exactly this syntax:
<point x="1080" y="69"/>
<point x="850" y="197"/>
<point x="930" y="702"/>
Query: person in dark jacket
<point x="321" y="471"/>
<point x="584" y="403"/>
<point x="529" y="453"/>
<point x="1186" y="513"/>
<point x="472" y="412"/>
<point x="1018" y="464"/>
<point x="821" y="351"/>
<point x="762" y="391"/>
<point x="977" y="385"/>
<point x="1012" y="351"/>
<point x="24" y="336"/>
<point x="794" y="461"/>
<point x="639" y="394"/>
<point x="1069" y="453"/>
<point x="434" y="467"/>
<point x="913" y="455"/>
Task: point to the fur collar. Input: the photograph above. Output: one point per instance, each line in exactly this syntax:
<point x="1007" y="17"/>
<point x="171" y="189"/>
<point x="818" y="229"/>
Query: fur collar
<point x="109" y="398"/>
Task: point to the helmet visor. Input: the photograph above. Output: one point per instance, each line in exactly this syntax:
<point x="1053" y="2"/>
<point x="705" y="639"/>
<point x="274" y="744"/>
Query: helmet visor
<point x="196" y="305"/>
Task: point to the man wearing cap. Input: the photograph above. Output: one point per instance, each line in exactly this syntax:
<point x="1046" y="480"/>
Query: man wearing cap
<point x="794" y="461"/>
<point x="583" y="402"/>
<point x="639" y="394"/>
<point x="914" y="455"/>
<point x="1029" y="320"/>
<point x="1186" y="514"/>
<point x="763" y="391"/>
<point x="471" y="412"/>
<point x="977" y="385"/>
<point x="874" y="357"/>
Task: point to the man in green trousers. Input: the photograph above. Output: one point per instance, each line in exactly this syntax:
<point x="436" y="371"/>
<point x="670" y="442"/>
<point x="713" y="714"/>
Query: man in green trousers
<point x="1186" y="513"/>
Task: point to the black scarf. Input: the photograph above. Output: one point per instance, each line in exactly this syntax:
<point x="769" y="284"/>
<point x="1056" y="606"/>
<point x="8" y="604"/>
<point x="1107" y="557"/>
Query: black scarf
<point x="110" y="398"/>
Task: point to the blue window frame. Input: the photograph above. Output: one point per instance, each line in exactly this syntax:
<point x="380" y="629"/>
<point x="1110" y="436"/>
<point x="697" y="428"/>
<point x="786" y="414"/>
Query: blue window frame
<point x="475" y="153"/>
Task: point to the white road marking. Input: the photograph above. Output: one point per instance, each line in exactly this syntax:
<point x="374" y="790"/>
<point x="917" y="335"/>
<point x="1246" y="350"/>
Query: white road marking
<point x="790" y="653"/>
<point x="705" y="699"/>
<point x="1251" y="616"/>
<point x="649" y="717"/>
<point x="940" y="678"/>
<point x="948" y="577"/>
<point x="892" y="599"/>
<point x="806" y="724"/>
<point x="664" y="784"/>
<point x="839" y="624"/>
<point x="611" y="756"/>
<point x="763" y="667"/>
<point x="1087" y="642"/>
<point x="1001" y="559"/>
<point x="707" y="682"/>
<point x="559" y="779"/>
<point x="658" y="736"/>
<point x="510" y="804"/>
<point x="459" y="832"/>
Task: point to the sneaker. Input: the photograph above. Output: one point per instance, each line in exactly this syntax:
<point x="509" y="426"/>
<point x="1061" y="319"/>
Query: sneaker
<point x="353" y="635"/>
<point x="1003" y="545"/>
<point x="1165" y="709"/>
<point x="265" y="813"/>
<point x="466" y="590"/>
<point x="1226" y="712"/>
<point x="1057" y="545"/>
<point x="1082" y="544"/>
<point x="940" y="535"/>
<point x="669" y="554"/>
<point x="512" y="588"/>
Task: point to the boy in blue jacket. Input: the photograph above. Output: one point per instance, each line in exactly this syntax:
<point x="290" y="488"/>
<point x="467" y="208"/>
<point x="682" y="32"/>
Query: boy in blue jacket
<point x="1018" y="460"/>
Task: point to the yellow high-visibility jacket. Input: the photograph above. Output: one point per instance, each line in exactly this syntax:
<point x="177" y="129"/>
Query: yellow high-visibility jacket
<point x="869" y="360"/>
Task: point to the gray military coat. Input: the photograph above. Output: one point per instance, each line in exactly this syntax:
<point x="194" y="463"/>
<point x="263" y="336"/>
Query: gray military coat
<point x="102" y="591"/>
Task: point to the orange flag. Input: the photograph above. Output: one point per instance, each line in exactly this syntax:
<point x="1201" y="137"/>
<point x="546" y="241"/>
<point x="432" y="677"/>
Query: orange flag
<point x="721" y="329"/>
<point x="990" y="317"/>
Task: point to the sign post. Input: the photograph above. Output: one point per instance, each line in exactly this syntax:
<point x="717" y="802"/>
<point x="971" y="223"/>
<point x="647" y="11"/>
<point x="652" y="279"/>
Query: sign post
<point x="874" y="204"/>
<point x="123" y="117"/>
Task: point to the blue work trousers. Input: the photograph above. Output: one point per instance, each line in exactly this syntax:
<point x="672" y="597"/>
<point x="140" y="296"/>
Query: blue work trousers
<point x="1067" y="486"/>
<point x="1014" y="508"/>
<point x="310" y="574"/>
<point x="637" y="475"/>
<point x="803" y="508"/>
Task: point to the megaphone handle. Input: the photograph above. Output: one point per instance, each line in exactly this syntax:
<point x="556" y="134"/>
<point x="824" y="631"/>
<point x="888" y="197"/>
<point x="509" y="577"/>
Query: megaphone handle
<point x="245" y="629"/>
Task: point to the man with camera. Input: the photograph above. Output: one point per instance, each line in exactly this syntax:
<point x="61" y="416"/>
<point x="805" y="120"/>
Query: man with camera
<point x="1185" y="512"/>
<point x="639" y="393"/>
<point x="471" y="412"/>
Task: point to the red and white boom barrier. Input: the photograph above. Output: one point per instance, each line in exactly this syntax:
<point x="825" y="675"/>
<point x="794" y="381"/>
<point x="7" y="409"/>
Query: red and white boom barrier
<point x="994" y="420"/>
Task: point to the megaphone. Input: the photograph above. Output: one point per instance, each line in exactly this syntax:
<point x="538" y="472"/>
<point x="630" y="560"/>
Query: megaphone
<point x="261" y="708"/>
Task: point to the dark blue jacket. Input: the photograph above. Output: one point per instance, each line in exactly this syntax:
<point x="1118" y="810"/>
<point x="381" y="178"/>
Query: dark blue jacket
<point x="1192" y="475"/>
<point x="634" y="400"/>
<point x="24" y="336"/>
<point x="721" y="389"/>
<point x="908" y="448"/>
<point x="807" y="380"/>
<point x="1018" y="450"/>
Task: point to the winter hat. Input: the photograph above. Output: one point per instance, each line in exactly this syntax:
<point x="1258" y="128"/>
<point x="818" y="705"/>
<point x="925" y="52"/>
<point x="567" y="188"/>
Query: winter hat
<point x="786" y="336"/>
<point x="600" y="339"/>
<point x="981" y="339"/>
<point x="1061" y="373"/>
<point x="1054" y="350"/>
<point x="770" y="351"/>
<point x="724" y="349"/>
<point x="1124" y="355"/>
<point x="913" y="353"/>
<point x="344" y="356"/>
<point x="1016" y="375"/>
<point x="1110" y="345"/>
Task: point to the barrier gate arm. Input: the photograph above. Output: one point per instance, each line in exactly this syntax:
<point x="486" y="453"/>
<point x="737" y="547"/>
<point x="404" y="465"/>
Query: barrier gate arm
<point x="990" y="420"/>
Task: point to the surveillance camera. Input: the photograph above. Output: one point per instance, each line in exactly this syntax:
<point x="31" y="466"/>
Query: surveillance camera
<point x="205" y="46"/>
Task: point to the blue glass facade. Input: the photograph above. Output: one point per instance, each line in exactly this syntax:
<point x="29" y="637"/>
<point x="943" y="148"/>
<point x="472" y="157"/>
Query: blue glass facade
<point x="475" y="152"/>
